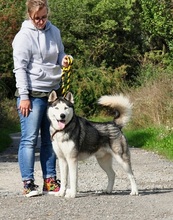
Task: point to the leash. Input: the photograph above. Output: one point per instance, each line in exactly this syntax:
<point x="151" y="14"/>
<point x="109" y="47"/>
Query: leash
<point x="65" y="77"/>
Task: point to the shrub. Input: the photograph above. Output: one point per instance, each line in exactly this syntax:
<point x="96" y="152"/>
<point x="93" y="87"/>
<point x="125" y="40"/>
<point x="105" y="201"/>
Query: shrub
<point x="153" y="101"/>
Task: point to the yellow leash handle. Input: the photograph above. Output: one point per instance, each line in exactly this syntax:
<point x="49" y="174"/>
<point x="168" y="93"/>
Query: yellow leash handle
<point x="65" y="77"/>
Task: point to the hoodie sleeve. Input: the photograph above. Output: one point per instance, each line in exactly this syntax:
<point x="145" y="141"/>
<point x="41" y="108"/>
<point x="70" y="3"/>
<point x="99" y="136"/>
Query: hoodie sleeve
<point x="21" y="56"/>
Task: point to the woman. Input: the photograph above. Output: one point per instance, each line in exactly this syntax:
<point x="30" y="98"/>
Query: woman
<point x="38" y="55"/>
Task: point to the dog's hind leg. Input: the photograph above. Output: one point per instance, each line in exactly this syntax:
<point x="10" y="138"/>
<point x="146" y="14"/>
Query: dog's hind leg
<point x="125" y="163"/>
<point x="105" y="163"/>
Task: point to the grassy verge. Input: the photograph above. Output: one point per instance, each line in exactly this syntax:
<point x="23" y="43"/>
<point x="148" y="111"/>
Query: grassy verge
<point x="159" y="140"/>
<point x="9" y="122"/>
<point x="5" y="139"/>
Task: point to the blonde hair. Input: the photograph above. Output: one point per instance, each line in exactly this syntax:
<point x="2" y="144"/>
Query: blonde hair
<point x="35" y="5"/>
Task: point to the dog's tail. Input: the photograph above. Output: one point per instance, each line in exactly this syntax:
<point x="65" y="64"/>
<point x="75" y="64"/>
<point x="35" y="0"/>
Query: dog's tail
<point x="122" y="106"/>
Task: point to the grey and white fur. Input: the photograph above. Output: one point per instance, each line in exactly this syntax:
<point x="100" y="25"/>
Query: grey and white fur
<point x="75" y="138"/>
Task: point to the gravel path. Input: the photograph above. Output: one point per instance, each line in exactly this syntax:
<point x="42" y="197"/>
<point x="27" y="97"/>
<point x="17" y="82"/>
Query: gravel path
<point x="154" y="177"/>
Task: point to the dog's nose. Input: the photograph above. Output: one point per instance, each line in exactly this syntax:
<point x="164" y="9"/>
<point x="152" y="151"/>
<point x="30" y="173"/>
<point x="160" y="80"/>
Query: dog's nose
<point x="62" y="116"/>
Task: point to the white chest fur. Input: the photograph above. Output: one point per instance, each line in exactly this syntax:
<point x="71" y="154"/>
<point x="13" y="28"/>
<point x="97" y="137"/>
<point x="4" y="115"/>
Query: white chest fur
<point x="63" y="146"/>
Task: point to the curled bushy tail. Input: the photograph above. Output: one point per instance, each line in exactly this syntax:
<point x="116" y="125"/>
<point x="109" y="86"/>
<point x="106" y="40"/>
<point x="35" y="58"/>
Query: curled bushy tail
<point x="120" y="104"/>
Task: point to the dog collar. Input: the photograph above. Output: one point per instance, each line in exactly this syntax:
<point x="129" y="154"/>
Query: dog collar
<point x="54" y="134"/>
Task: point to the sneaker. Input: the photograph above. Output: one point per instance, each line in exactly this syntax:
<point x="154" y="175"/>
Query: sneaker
<point x="51" y="186"/>
<point x="30" y="189"/>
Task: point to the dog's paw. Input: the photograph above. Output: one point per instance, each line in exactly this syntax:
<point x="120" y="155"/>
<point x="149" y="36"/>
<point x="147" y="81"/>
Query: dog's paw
<point x="105" y="191"/>
<point x="108" y="191"/>
<point x="70" y="194"/>
<point x="134" y="193"/>
<point x="60" y="193"/>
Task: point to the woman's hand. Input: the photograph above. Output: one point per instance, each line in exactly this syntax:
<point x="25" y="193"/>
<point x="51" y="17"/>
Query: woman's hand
<point x="25" y="107"/>
<point x="65" y="61"/>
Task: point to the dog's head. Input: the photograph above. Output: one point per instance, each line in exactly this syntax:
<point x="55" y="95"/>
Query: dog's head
<point x="60" y="110"/>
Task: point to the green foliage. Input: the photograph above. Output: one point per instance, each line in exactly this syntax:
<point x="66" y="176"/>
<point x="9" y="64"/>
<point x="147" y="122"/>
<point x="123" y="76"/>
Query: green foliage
<point x="9" y="122"/>
<point x="153" y="97"/>
<point x="97" y="31"/>
<point x="5" y="139"/>
<point x="157" y="139"/>
<point x="88" y="84"/>
<point x="10" y="19"/>
<point x="11" y="15"/>
<point x="8" y="114"/>
<point x="157" y="25"/>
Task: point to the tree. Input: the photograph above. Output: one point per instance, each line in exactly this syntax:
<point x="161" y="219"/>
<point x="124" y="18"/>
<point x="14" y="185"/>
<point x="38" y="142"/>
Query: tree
<point x="108" y="39"/>
<point x="100" y="32"/>
<point x="157" y="25"/>
<point x="10" y="18"/>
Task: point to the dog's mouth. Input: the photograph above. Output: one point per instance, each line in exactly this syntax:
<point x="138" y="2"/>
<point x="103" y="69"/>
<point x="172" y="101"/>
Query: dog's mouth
<point x="61" y="124"/>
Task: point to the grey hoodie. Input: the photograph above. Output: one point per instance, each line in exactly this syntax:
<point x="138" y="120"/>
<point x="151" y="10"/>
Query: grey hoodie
<point x="37" y="56"/>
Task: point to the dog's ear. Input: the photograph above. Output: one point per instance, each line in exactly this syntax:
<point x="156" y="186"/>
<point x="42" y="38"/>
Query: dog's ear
<point x="52" y="96"/>
<point x="69" y="97"/>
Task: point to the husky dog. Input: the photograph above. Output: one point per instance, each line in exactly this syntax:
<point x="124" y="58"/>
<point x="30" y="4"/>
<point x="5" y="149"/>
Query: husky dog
<point x="75" y="138"/>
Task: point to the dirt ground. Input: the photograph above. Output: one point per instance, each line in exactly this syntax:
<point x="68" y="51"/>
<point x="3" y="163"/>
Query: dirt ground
<point x="153" y="173"/>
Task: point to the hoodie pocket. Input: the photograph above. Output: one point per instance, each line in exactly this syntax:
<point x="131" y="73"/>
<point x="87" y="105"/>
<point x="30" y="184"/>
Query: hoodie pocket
<point x="37" y="74"/>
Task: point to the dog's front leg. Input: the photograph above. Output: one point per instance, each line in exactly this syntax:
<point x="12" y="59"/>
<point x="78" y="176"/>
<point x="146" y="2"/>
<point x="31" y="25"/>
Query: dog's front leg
<point x="63" y="175"/>
<point x="73" y="172"/>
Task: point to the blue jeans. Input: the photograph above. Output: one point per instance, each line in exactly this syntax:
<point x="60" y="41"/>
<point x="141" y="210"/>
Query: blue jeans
<point x="30" y="127"/>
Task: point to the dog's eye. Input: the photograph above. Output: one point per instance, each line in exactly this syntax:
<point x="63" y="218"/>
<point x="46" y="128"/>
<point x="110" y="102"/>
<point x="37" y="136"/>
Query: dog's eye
<point x="65" y="108"/>
<point x="56" y="108"/>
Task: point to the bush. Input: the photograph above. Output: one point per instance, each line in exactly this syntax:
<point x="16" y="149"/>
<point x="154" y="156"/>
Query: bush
<point x="153" y="101"/>
<point x="88" y="84"/>
<point x="9" y="117"/>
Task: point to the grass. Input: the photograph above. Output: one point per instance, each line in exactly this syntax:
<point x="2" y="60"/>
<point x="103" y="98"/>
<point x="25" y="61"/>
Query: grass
<point x="9" y="122"/>
<point x="158" y="140"/>
<point x="5" y="139"/>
